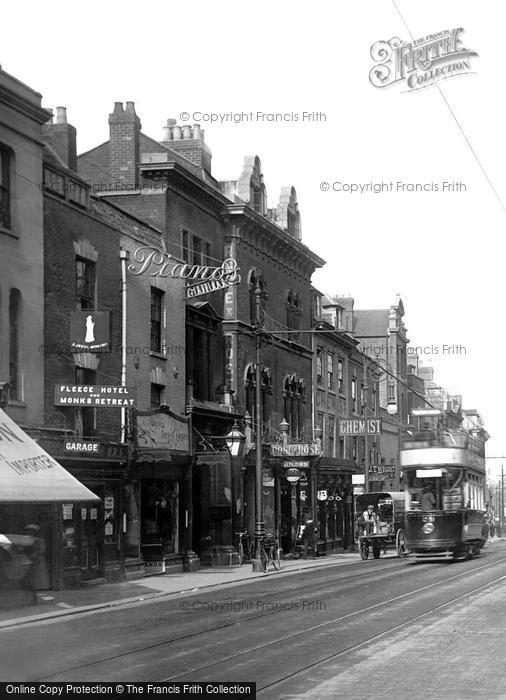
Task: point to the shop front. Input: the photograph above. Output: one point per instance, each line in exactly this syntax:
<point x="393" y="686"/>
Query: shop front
<point x="36" y="490"/>
<point x="288" y="491"/>
<point x="100" y="541"/>
<point x="334" y="504"/>
<point x="162" y="468"/>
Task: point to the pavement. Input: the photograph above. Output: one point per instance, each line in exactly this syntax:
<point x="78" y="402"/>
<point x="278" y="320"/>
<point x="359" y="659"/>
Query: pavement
<point x="15" y="610"/>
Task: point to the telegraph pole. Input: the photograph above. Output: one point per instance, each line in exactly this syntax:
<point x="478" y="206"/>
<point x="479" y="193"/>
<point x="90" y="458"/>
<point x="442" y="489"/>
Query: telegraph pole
<point x="365" y="387"/>
<point x="259" y="517"/>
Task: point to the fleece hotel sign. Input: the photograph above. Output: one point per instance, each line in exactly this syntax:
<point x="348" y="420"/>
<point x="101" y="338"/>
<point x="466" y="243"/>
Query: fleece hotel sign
<point x="93" y="396"/>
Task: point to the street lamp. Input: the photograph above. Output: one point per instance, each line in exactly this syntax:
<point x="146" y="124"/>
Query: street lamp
<point x="234" y="441"/>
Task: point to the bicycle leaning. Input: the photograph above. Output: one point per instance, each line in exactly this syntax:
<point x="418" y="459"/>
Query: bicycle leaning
<point x="270" y="553"/>
<point x="245" y="548"/>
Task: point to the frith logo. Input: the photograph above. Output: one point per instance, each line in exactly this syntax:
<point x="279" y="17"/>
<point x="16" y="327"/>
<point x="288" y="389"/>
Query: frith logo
<point x="420" y="63"/>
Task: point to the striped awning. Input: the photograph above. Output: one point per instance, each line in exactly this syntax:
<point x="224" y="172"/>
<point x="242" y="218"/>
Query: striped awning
<point x="28" y="474"/>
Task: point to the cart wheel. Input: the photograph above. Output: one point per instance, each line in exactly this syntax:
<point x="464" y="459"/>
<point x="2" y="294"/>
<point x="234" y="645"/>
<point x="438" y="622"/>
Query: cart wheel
<point x="400" y="544"/>
<point x="376" y="550"/>
<point x="364" y="550"/>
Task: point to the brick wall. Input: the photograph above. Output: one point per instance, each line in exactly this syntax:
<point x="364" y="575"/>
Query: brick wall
<point x="124" y="134"/>
<point x="64" y="224"/>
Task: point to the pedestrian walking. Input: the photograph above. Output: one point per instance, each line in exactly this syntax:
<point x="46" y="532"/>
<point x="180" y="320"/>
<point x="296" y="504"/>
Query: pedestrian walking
<point x="37" y="577"/>
<point x="309" y="536"/>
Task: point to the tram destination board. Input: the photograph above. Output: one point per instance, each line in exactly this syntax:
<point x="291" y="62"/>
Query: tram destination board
<point x="94" y="395"/>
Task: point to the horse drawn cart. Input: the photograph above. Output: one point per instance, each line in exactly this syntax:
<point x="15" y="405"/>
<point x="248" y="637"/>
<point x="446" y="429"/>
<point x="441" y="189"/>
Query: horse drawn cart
<point x="380" y="523"/>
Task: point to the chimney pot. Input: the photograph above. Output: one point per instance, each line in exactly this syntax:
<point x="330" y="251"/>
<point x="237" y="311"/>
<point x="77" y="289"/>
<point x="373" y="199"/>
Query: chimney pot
<point x="171" y="122"/>
<point x="118" y="109"/>
<point x="61" y="115"/>
<point x="187" y="131"/>
<point x="196" y="131"/>
<point x="167" y="133"/>
<point x="130" y="108"/>
<point x="177" y="133"/>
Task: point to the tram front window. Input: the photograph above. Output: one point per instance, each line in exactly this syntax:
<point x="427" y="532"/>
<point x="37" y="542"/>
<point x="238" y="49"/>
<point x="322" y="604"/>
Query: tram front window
<point x="435" y="493"/>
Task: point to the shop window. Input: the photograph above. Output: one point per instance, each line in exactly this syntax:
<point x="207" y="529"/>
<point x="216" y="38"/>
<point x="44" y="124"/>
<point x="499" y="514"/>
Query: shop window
<point x="132" y="520"/>
<point x="5" y="186"/>
<point x="15" y="344"/>
<point x="156" y="319"/>
<point x="85" y="283"/>
<point x="160" y="516"/>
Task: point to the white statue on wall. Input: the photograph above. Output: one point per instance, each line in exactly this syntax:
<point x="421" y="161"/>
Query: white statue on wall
<point x="90" y="333"/>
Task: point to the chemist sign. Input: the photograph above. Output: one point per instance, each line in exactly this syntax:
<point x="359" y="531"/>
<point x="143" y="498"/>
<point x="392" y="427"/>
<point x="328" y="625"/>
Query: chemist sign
<point x="90" y="331"/>
<point x="93" y="396"/>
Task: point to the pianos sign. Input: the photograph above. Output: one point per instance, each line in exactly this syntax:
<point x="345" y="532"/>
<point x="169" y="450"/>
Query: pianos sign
<point x="201" y="279"/>
<point x="360" y="426"/>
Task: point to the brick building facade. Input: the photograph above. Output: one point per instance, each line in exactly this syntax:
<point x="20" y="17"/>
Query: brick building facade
<point x="205" y="222"/>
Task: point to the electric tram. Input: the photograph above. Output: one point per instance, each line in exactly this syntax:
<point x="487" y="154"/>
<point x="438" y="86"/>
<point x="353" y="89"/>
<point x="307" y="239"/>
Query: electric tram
<point x="444" y="482"/>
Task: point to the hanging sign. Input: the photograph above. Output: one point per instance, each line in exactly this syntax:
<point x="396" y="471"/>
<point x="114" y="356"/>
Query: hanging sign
<point x="157" y="263"/>
<point x="296" y="449"/>
<point x="90" y="331"/>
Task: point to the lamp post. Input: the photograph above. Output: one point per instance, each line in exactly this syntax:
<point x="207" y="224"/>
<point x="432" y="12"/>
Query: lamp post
<point x="235" y="441"/>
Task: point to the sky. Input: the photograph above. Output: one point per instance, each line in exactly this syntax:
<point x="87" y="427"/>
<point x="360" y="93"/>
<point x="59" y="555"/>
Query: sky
<point x="441" y="251"/>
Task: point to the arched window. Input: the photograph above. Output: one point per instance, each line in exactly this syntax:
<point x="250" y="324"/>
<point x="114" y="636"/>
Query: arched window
<point x="15" y="344"/>
<point x="256" y="279"/>
<point x="294" y="394"/>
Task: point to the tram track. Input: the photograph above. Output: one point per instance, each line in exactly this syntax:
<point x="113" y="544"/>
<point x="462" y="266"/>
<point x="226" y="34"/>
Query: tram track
<point x="375" y="637"/>
<point x="228" y="660"/>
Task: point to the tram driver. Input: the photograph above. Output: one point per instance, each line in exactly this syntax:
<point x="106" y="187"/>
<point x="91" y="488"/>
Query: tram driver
<point x="427" y="501"/>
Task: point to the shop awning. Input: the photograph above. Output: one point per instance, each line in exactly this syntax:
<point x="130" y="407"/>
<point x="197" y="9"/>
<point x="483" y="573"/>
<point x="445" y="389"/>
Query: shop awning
<point x="28" y="474"/>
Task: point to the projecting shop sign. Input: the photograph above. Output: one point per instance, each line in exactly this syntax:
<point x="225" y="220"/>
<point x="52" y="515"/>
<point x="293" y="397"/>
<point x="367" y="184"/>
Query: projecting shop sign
<point x="360" y="426"/>
<point x="94" y="396"/>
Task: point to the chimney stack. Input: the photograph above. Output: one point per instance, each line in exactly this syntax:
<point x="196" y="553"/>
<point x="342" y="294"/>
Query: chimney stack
<point x="188" y="141"/>
<point x="61" y="137"/>
<point x="124" y="139"/>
